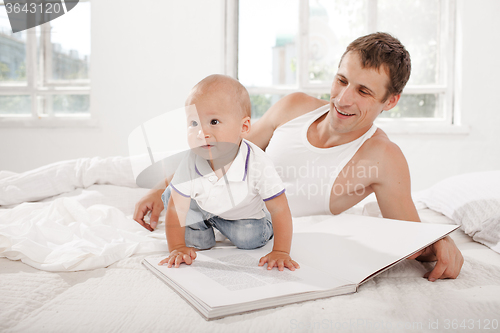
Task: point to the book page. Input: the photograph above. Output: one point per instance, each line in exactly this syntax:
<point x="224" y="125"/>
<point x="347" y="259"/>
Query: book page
<point x="354" y="247"/>
<point x="224" y="277"/>
<point x="240" y="272"/>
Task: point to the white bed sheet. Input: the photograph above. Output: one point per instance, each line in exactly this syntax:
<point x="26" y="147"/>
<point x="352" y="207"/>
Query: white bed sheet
<point x="125" y="297"/>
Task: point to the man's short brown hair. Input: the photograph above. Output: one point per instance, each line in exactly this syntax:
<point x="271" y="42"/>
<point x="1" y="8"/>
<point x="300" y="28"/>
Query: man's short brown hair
<point x="381" y="50"/>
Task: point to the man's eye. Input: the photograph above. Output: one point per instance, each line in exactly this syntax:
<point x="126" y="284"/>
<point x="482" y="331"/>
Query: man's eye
<point x="214" y="122"/>
<point x="342" y="81"/>
<point x="363" y="92"/>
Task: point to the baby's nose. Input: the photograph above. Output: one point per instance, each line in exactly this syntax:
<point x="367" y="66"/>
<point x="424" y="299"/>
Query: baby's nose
<point x="202" y="135"/>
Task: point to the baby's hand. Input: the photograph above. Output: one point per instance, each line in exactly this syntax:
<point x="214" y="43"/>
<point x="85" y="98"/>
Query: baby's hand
<point x="180" y="255"/>
<point x="278" y="259"/>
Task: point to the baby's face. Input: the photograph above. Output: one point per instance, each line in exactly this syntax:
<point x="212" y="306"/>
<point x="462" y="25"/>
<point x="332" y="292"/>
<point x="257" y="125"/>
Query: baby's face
<point x="214" y="125"/>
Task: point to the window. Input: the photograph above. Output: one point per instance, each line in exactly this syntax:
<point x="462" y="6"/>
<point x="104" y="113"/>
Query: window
<point x="45" y="70"/>
<point x="284" y="46"/>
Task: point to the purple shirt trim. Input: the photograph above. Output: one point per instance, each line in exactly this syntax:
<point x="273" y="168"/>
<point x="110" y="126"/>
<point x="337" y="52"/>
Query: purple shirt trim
<point x="276" y="195"/>
<point x="246" y="161"/>
<point x="176" y="190"/>
<point x="196" y="169"/>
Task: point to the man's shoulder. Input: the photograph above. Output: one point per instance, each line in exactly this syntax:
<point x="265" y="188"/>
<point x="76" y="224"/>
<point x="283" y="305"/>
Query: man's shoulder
<point x="380" y="150"/>
<point x="295" y="105"/>
<point x="288" y="108"/>
<point x="302" y="100"/>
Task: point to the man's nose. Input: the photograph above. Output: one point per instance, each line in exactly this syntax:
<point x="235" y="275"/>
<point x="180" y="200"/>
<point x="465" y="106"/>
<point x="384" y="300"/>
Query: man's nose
<point x="346" y="96"/>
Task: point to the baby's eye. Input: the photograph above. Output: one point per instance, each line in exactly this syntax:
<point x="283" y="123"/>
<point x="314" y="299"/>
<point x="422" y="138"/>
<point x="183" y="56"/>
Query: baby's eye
<point x="193" y="123"/>
<point x="214" y="122"/>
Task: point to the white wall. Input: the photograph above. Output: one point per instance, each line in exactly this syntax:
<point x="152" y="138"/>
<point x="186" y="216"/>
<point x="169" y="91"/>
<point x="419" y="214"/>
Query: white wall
<point x="147" y="55"/>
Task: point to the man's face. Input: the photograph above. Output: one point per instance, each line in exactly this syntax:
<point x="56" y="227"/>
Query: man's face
<point x="356" y="96"/>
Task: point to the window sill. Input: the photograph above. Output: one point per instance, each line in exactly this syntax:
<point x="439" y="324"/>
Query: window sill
<point x="422" y="128"/>
<point x="71" y="121"/>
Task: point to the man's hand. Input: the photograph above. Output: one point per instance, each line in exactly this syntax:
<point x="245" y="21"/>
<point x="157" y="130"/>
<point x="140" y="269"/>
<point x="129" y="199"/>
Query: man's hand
<point x="448" y="256"/>
<point x="278" y="259"/>
<point x="178" y="256"/>
<point x="151" y="202"/>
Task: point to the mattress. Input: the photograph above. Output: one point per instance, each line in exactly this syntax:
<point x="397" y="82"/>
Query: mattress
<point x="118" y="294"/>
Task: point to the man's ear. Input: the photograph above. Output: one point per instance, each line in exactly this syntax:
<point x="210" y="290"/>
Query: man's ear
<point x="245" y="126"/>
<point x="391" y="102"/>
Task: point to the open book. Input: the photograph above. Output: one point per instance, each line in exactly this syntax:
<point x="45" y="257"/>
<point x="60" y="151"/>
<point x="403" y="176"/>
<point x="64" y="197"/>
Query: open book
<point x="336" y="256"/>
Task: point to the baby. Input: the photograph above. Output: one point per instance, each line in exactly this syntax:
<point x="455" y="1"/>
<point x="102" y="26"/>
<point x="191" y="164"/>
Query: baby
<point x="225" y="182"/>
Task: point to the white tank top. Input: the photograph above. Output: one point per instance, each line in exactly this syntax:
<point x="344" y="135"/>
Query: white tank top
<point x="309" y="172"/>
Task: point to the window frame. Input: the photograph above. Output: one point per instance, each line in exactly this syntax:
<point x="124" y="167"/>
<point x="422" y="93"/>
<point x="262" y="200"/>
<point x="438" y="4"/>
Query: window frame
<point x="450" y="124"/>
<point x="45" y="88"/>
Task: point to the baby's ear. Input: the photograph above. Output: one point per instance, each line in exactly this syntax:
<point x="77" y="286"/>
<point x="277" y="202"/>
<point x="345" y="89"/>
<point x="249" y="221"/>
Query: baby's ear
<point x="246" y="125"/>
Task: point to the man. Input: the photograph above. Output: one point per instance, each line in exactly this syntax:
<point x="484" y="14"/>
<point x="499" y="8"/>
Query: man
<point x="331" y="156"/>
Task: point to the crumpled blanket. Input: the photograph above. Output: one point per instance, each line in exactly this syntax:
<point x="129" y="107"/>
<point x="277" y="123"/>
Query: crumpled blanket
<point x="63" y="177"/>
<point x="77" y="225"/>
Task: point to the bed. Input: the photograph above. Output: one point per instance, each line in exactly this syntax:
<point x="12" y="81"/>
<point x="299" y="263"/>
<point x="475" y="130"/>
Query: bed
<point x="71" y="261"/>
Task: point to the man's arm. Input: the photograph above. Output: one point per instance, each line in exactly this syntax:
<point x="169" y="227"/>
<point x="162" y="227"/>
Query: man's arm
<point x="151" y="202"/>
<point x="393" y="192"/>
<point x="392" y="185"/>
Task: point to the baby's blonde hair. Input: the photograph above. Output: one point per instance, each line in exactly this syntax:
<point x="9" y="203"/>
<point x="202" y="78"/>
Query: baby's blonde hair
<point x="226" y="83"/>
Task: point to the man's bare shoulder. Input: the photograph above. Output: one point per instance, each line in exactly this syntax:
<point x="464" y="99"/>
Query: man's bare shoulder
<point x="286" y="109"/>
<point x="381" y="151"/>
<point x="292" y="106"/>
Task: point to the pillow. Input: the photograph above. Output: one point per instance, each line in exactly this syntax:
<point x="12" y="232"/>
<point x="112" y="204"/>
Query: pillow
<point x="472" y="201"/>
